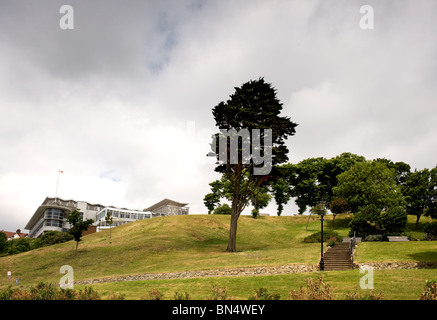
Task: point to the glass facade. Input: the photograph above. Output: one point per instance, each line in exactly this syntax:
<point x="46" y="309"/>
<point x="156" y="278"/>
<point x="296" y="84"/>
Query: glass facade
<point x="54" y="213"/>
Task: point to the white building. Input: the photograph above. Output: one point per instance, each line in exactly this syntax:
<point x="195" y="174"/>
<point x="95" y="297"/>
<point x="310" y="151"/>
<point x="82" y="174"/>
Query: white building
<point x="52" y="214"/>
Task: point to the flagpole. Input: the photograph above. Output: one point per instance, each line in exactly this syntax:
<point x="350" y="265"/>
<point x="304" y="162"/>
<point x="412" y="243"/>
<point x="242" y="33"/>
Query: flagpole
<point x="57" y="184"/>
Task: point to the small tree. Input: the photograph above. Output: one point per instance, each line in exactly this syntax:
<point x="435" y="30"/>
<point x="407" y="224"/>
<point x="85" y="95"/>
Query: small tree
<point x="78" y="226"/>
<point x="109" y="220"/>
<point x="338" y="206"/>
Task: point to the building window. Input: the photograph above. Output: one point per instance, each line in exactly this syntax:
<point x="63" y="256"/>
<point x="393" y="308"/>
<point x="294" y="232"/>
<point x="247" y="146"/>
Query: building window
<point x="54" y="213"/>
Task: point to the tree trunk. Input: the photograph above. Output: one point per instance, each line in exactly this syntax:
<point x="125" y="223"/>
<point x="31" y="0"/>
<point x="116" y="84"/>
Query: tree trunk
<point x="75" y="252"/>
<point x="417" y="221"/>
<point x="309" y="216"/>
<point x="232" y="242"/>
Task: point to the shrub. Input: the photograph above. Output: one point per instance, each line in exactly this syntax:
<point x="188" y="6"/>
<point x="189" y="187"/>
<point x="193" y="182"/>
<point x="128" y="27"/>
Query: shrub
<point x="373" y="238"/>
<point x="181" y="296"/>
<point x="393" y="221"/>
<point x="368" y="296"/>
<point x="327" y="235"/>
<point x="316" y="290"/>
<point x="54" y="237"/>
<point x="47" y="291"/>
<point x="153" y="294"/>
<point x="116" y="296"/>
<point x="219" y="294"/>
<point x="264" y="294"/>
<point x="364" y="222"/>
<point x="223" y="209"/>
<point x="255" y="213"/>
<point x="431" y="230"/>
<point x="429" y="292"/>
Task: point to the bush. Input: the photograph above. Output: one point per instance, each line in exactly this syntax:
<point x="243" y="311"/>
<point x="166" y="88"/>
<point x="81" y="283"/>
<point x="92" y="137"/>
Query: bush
<point x="54" y="237"/>
<point x="181" y="296"/>
<point x="223" y="209"/>
<point x="368" y="296"/>
<point x="364" y="222"/>
<point x="327" y="235"/>
<point x="373" y="238"/>
<point x="316" y="290"/>
<point x="219" y="294"/>
<point x="264" y="294"/>
<point x="153" y="294"/>
<point x="431" y="230"/>
<point x="393" y="221"/>
<point x="255" y="213"/>
<point x="370" y="220"/>
<point x="47" y="291"/>
<point x="430" y="290"/>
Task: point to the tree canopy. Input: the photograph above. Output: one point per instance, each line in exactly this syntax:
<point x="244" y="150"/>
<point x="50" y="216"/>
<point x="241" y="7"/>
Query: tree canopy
<point x="252" y="113"/>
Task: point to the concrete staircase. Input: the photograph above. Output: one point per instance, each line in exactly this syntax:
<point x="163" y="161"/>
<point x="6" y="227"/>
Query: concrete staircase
<point x="338" y="257"/>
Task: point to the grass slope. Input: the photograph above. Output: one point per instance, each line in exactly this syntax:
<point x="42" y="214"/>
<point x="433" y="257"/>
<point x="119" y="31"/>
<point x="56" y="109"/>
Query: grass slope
<point x="177" y="243"/>
<point x="196" y="242"/>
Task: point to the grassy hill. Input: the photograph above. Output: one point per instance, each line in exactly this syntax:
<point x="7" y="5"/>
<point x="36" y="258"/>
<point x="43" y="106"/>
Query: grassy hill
<point x="194" y="242"/>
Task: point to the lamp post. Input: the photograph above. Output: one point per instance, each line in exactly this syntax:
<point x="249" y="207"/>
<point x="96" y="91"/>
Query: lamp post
<point x="322" y="211"/>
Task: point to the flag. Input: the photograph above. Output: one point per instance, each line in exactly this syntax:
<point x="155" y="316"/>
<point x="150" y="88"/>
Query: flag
<point x="60" y="171"/>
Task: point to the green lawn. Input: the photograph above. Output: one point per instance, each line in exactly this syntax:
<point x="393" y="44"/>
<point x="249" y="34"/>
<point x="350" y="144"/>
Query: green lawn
<point x="393" y="284"/>
<point x="168" y="244"/>
<point x="197" y="242"/>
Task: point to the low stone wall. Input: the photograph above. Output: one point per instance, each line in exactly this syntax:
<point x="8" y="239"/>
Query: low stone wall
<point x="224" y="272"/>
<point x="397" y="265"/>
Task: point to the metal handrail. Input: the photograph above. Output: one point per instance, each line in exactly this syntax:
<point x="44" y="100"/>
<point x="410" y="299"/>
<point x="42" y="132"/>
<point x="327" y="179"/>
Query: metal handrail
<point x="352" y="245"/>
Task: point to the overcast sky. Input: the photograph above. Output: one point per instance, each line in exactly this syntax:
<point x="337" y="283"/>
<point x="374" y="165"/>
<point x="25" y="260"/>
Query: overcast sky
<point x="122" y="102"/>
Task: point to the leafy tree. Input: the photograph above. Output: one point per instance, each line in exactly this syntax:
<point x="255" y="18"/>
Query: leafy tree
<point x="402" y="169"/>
<point x="78" y="226"/>
<point x="420" y="194"/>
<point x="303" y="178"/>
<point x="369" y="183"/>
<point x="3" y="241"/>
<point x="259" y="198"/>
<point x="212" y="199"/>
<point x="314" y="179"/>
<point x="253" y="106"/>
<point x="338" y="206"/>
<point x="281" y="192"/>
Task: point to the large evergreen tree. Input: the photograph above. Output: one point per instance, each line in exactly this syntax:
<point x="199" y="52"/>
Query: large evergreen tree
<point x="253" y="106"/>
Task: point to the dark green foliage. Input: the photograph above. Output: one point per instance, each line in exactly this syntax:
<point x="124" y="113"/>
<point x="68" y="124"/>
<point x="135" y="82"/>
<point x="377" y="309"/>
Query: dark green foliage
<point x="393" y="221"/>
<point x="3" y="241"/>
<point x="327" y="235"/>
<point x="420" y="191"/>
<point x="264" y="294"/>
<point x="254" y="105"/>
<point x="364" y="222"/>
<point x="370" y="221"/>
<point x="19" y="245"/>
<point x="313" y="179"/>
<point x="53" y="237"/>
<point x="369" y="183"/>
<point x="373" y="238"/>
<point x="431" y="230"/>
<point x="223" y="209"/>
<point x="78" y="226"/>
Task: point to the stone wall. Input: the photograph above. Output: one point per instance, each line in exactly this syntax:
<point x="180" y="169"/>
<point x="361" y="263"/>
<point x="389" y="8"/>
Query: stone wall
<point x="397" y="265"/>
<point x="225" y="272"/>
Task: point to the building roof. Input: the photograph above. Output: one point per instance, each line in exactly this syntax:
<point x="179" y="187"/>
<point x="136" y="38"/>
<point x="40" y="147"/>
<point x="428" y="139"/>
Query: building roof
<point x="164" y="203"/>
<point x="10" y="234"/>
